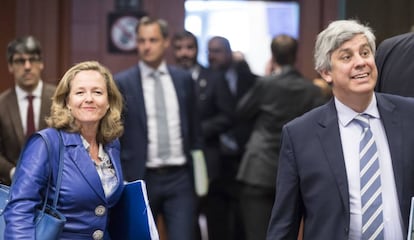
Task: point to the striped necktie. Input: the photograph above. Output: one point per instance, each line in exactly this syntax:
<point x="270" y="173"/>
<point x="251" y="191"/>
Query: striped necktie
<point x="370" y="174"/>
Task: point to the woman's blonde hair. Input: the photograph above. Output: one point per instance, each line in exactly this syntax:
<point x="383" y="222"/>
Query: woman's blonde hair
<point x="110" y="126"/>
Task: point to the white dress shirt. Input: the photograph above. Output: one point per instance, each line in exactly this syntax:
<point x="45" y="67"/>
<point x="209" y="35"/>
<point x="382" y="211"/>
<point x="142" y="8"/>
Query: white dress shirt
<point x="173" y="116"/>
<point x="23" y="104"/>
<point x="350" y="135"/>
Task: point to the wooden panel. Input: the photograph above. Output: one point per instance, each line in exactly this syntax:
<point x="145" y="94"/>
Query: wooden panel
<point x="398" y="15"/>
<point x="8" y="31"/>
<point x="92" y="43"/>
<point x="64" y="50"/>
<point x="40" y="19"/>
<point x="75" y="30"/>
<point x="314" y="16"/>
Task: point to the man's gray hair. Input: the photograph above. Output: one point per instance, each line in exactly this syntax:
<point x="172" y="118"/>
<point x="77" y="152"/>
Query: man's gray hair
<point x="334" y="36"/>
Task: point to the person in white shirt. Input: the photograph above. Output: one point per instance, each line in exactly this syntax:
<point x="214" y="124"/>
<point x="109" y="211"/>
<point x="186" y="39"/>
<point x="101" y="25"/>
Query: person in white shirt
<point x="161" y="130"/>
<point x="323" y="178"/>
<point x="25" y="64"/>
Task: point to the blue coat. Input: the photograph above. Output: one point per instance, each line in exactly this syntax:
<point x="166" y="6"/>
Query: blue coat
<point x="81" y="193"/>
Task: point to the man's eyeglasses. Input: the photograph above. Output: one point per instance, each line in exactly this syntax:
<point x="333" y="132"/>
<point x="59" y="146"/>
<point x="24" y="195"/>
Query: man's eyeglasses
<point x="22" y="61"/>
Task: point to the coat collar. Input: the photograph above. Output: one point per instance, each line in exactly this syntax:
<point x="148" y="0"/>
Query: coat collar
<point x="329" y="136"/>
<point x="81" y="159"/>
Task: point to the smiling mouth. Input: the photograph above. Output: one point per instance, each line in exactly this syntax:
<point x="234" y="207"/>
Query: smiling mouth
<point x="360" y="76"/>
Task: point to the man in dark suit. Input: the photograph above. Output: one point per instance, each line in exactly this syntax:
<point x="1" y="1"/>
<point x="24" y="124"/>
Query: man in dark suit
<point x="395" y="64"/>
<point x="24" y="56"/>
<point x="160" y="133"/>
<point x="223" y="211"/>
<point x="273" y="101"/>
<point x="322" y="176"/>
<point x="214" y="101"/>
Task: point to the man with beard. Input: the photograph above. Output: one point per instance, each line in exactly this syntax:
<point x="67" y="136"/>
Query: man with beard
<point x="214" y="102"/>
<point x="223" y="211"/>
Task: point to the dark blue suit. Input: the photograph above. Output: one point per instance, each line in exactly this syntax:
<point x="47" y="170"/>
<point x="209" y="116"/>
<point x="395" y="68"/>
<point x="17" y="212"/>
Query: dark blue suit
<point x="312" y="180"/>
<point x="173" y="191"/>
<point x="215" y="107"/>
<point x="134" y="141"/>
<point x="395" y="65"/>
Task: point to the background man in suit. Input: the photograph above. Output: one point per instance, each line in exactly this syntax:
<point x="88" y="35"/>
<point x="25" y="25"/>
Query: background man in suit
<point x="320" y="177"/>
<point x="214" y="101"/>
<point x="395" y="58"/>
<point x="165" y="166"/>
<point x="223" y="211"/>
<point x="273" y="101"/>
<point x="24" y="57"/>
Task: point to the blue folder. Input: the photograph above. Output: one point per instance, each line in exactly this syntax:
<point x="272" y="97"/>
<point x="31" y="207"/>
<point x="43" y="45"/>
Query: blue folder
<point x="410" y="235"/>
<point x="131" y="217"/>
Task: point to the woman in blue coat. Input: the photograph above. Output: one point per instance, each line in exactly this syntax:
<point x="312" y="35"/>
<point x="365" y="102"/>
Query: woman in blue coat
<point x="86" y="109"/>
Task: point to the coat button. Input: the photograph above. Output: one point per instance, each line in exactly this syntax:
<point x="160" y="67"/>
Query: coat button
<point x="98" y="235"/>
<point x="203" y="82"/>
<point x="100" y="211"/>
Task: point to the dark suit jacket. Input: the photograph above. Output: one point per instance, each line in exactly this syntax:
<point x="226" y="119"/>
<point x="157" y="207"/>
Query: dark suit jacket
<point x="12" y="136"/>
<point x="395" y="64"/>
<point x="134" y="142"/>
<point x="271" y="103"/>
<point x="312" y="180"/>
<point x="241" y="130"/>
<point x="215" y="107"/>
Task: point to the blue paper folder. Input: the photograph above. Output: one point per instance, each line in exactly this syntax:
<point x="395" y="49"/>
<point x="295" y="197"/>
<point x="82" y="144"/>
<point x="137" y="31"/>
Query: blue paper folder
<point x="131" y="217"/>
<point x="410" y="235"/>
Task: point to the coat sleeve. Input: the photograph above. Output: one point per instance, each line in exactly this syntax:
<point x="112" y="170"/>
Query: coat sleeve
<point x="27" y="188"/>
<point x="287" y="209"/>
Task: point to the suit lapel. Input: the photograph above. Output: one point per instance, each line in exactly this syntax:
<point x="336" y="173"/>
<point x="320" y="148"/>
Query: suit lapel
<point x="80" y="157"/>
<point x="392" y="122"/>
<point x="12" y="105"/>
<point x="181" y="98"/>
<point x="331" y="143"/>
<point x="178" y="89"/>
<point x="140" y="104"/>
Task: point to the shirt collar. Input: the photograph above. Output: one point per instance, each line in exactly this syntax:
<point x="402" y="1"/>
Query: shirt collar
<point x="37" y="92"/>
<point x="101" y="152"/>
<point x="282" y="70"/>
<point x="146" y="70"/>
<point x="346" y="114"/>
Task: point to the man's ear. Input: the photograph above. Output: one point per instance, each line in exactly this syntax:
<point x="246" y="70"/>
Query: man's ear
<point x="10" y="67"/>
<point x="326" y="74"/>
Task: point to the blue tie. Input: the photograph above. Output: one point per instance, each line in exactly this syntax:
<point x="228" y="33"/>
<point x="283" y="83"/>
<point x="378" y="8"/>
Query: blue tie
<point x="371" y="197"/>
<point x="161" y="116"/>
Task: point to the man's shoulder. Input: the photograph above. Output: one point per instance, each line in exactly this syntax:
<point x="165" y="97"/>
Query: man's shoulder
<point x="402" y="38"/>
<point x="127" y="73"/>
<point x="211" y="75"/>
<point x="397" y="100"/>
<point x="291" y="78"/>
<point x="176" y="69"/>
<point x="178" y="73"/>
<point x="7" y="94"/>
<point x="311" y="117"/>
<point x="49" y="87"/>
